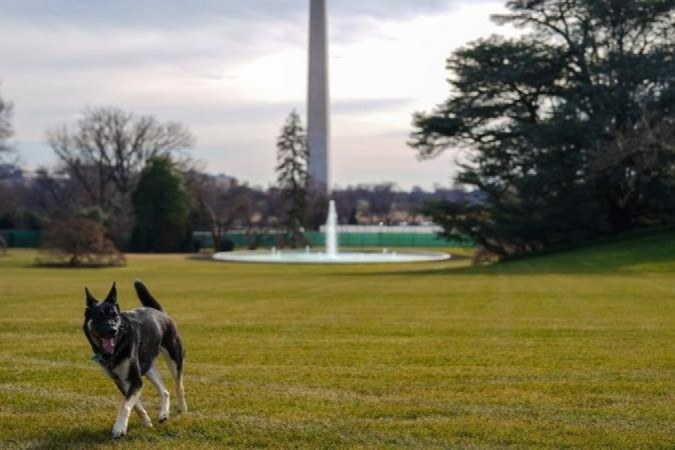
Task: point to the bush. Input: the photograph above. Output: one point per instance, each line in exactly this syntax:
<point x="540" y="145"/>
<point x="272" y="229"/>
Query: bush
<point x="79" y="242"/>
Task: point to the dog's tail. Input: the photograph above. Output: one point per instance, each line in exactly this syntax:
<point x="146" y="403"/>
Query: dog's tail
<point x="145" y="297"/>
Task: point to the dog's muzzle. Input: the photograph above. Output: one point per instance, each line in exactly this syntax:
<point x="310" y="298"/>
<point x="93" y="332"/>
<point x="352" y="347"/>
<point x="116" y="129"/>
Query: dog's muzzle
<point x="107" y="343"/>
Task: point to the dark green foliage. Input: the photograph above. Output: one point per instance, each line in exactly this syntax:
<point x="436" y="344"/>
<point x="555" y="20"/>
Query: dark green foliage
<point x="292" y="178"/>
<point x="568" y="126"/>
<point x="20" y="219"/>
<point x="317" y="209"/>
<point x="161" y="210"/>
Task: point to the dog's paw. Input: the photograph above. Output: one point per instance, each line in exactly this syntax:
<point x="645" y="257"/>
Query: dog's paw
<point x="147" y="423"/>
<point x="118" y="431"/>
<point x="116" y="434"/>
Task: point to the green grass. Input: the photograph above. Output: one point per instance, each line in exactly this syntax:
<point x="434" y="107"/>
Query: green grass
<point x="570" y="350"/>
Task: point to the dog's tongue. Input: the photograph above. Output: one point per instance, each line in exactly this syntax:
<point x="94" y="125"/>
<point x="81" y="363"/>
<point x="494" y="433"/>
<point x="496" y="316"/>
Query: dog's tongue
<point x="108" y="345"/>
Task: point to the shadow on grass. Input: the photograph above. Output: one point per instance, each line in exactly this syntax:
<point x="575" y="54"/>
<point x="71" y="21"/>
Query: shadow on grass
<point x="200" y="257"/>
<point x="76" y="438"/>
<point x="97" y="436"/>
<point x="65" y="267"/>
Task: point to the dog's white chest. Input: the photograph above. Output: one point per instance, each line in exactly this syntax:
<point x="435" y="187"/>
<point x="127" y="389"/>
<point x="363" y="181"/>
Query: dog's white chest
<point x="121" y="370"/>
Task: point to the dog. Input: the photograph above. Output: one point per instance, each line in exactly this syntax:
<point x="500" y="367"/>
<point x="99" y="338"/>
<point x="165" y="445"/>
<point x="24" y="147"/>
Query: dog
<point x="126" y="345"/>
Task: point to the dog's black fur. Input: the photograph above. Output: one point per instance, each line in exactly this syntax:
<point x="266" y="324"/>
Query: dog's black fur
<point x="126" y="345"/>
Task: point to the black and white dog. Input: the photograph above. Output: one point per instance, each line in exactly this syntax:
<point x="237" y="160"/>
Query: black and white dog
<point x="126" y="345"/>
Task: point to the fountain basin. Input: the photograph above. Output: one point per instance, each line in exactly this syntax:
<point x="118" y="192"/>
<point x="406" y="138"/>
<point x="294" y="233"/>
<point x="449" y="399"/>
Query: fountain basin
<point x="304" y="257"/>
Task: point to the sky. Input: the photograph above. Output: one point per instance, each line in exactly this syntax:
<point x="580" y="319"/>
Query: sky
<point x="232" y="71"/>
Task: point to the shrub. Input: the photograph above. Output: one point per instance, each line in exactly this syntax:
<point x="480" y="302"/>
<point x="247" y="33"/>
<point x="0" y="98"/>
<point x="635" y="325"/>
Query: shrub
<point x="79" y="242"/>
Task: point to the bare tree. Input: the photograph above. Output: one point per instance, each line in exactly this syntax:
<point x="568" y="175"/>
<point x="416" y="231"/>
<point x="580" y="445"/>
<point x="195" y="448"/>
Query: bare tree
<point x="222" y="207"/>
<point x="382" y="200"/>
<point x="51" y="193"/>
<point x="109" y="147"/>
<point x="6" y="130"/>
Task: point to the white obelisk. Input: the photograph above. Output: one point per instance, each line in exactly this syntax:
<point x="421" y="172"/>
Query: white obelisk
<point x="318" y="130"/>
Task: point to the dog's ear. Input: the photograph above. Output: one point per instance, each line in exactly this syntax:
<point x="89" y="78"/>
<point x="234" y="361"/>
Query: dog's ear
<point x="112" y="295"/>
<point x="91" y="301"/>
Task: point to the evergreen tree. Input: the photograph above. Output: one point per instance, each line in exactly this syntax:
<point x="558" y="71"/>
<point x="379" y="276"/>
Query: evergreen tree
<point x="292" y="177"/>
<point x="545" y="115"/>
<point x="161" y="209"/>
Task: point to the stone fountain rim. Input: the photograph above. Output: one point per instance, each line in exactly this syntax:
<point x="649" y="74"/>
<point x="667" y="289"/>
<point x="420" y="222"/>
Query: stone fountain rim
<point x="433" y="257"/>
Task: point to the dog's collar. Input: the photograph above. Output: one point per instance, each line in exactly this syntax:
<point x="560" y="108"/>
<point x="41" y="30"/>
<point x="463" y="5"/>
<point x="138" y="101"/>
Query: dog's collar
<point x="101" y="359"/>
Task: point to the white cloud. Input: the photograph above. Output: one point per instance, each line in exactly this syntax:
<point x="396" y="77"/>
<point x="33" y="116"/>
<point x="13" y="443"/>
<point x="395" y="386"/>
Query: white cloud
<point x="233" y="81"/>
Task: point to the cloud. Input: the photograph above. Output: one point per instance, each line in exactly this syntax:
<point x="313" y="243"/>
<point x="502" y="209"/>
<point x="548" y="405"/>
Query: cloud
<point x="233" y="70"/>
<point x="181" y="13"/>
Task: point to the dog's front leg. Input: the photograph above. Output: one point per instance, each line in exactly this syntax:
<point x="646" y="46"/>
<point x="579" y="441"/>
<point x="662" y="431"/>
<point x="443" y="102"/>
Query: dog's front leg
<point x="138" y="407"/>
<point x="131" y="397"/>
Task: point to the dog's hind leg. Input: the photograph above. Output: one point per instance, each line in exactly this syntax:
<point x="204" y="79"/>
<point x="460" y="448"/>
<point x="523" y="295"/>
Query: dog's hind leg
<point x="175" y="363"/>
<point x="142" y="414"/>
<point x="154" y="376"/>
<point x="180" y="391"/>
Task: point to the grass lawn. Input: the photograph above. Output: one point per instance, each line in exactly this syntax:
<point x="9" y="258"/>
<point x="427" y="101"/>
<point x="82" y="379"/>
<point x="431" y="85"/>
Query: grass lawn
<point x="571" y="350"/>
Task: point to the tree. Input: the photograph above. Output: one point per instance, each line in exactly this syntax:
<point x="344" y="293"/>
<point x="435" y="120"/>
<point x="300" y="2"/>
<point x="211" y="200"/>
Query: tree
<point x="318" y="208"/>
<point x="292" y="177"/>
<point x="50" y="194"/>
<point x="382" y="200"/>
<point x="221" y="208"/>
<point x="542" y="116"/>
<point x="106" y="151"/>
<point x="161" y="209"/>
<point x="6" y="130"/>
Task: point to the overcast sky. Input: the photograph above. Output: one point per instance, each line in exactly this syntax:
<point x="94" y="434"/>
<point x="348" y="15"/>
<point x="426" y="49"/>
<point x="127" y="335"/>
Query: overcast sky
<point x="232" y="70"/>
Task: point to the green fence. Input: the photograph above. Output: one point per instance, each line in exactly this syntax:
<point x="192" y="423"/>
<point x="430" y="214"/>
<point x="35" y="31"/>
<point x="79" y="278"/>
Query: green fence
<point x="345" y="239"/>
<point x="22" y="238"/>
<point x="389" y="239"/>
<point x="32" y="239"/>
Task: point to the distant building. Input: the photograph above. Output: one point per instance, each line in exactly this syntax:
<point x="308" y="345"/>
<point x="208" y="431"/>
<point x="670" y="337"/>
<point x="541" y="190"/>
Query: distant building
<point x="224" y="181"/>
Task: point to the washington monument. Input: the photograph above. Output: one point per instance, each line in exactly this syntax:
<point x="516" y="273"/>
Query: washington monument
<point x="318" y="130"/>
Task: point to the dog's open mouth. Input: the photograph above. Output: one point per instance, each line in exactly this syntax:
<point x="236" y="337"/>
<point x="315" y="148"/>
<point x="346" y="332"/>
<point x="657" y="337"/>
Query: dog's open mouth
<point x="108" y="344"/>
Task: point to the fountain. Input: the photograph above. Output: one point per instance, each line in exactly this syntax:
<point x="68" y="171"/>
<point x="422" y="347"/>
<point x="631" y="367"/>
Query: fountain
<point x="331" y="231"/>
<point x="331" y="254"/>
